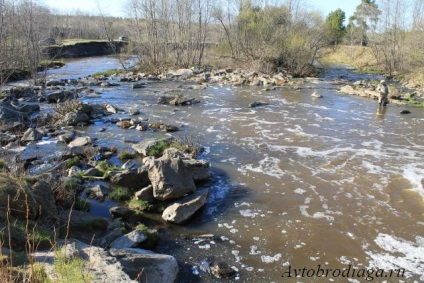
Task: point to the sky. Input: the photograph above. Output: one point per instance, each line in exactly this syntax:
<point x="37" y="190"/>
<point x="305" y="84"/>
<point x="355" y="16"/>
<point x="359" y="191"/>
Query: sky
<point x="117" y="7"/>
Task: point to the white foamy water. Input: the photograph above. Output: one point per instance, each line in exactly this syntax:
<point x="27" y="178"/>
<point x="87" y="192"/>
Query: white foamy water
<point x="399" y="253"/>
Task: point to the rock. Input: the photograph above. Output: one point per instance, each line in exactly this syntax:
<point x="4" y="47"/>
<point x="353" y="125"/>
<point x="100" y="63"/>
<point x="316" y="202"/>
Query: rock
<point x="131" y="164"/>
<point x="80" y="141"/>
<point x="66" y="137"/>
<point x="145" y="194"/>
<point x="132" y="178"/>
<point x="199" y="169"/>
<point x="93" y="172"/>
<point x="182" y="210"/>
<point x="169" y="128"/>
<point x="45" y="198"/>
<point x="222" y="269"/>
<point x="257" y="104"/>
<point x="101" y="266"/>
<point x="405" y="111"/>
<point x="113" y="109"/>
<point x="157" y="268"/>
<point x="130" y="240"/>
<point x="146" y="145"/>
<point x="78" y="218"/>
<point x="120" y="212"/>
<point x="60" y="96"/>
<point x="165" y="99"/>
<point x="316" y="95"/>
<point x="97" y="191"/>
<point x="169" y="176"/>
<point x="134" y="112"/>
<point x="27" y="107"/>
<point x="8" y="113"/>
<point x="6" y="138"/>
<point x="55" y="83"/>
<point x="142" y="127"/>
<point x="182" y="101"/>
<point x="110" y="237"/>
<point x="73" y="119"/>
<point x="73" y="171"/>
<point x="139" y="85"/>
<point x="31" y="135"/>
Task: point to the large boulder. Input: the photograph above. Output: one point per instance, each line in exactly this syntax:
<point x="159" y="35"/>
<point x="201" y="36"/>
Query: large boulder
<point x="80" y="141"/>
<point x="31" y="135"/>
<point x="16" y="198"/>
<point x="169" y="176"/>
<point x="182" y="210"/>
<point x="131" y="178"/>
<point x="60" y="96"/>
<point x="130" y="240"/>
<point x="8" y="113"/>
<point x="73" y="119"/>
<point x="100" y="265"/>
<point x="199" y="169"/>
<point x="147" y="266"/>
<point x="45" y="198"/>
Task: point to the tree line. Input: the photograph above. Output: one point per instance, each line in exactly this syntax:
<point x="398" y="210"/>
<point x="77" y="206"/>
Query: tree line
<point x="271" y="34"/>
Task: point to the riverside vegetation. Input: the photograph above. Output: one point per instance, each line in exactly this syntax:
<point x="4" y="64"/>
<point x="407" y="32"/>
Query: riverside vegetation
<point x="268" y="41"/>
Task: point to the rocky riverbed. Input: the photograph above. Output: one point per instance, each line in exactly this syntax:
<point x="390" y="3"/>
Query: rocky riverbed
<point x="157" y="178"/>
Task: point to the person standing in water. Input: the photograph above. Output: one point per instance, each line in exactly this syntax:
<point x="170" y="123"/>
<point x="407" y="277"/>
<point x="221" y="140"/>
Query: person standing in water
<point x="384" y="93"/>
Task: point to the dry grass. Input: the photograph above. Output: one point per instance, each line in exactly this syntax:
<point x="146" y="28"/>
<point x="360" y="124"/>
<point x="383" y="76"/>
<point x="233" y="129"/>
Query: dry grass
<point x="359" y="57"/>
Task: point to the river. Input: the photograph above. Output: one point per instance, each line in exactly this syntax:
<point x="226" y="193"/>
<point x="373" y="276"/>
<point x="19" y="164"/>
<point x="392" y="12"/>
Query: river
<point x="301" y="182"/>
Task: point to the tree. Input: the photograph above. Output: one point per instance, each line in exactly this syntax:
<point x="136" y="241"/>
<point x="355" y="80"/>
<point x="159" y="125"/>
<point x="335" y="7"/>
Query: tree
<point x="334" y="26"/>
<point x="366" y="16"/>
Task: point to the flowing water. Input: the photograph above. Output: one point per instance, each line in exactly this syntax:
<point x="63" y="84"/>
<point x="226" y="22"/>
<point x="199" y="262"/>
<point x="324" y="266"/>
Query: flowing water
<point x="302" y="182"/>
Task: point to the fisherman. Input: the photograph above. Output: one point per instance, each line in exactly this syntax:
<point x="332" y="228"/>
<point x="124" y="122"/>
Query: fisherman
<point x="384" y="93"/>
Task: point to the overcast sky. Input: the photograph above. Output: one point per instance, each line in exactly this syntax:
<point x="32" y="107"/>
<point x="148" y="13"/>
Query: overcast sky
<point x="117" y="7"/>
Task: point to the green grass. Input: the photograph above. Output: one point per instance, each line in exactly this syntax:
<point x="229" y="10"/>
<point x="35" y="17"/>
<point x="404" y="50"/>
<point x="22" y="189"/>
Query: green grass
<point x="70" y="270"/>
<point x="119" y="194"/>
<point x="107" y="72"/>
<point x="124" y="155"/>
<point x="158" y="149"/>
<point x="139" y="205"/>
<point x="82" y="204"/>
<point x="74" y="161"/>
<point x="152" y="236"/>
<point x="415" y="103"/>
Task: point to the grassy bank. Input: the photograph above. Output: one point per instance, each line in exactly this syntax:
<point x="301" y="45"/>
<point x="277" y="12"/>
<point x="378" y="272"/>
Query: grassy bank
<point x="359" y="57"/>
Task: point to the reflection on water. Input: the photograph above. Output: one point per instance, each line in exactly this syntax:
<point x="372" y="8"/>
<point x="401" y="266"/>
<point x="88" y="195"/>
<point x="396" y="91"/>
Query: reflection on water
<point x="298" y="182"/>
